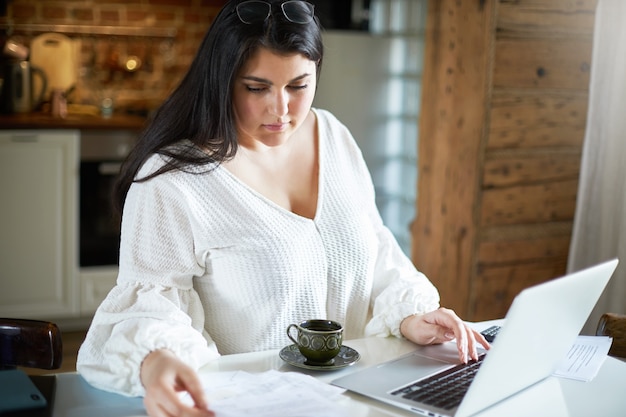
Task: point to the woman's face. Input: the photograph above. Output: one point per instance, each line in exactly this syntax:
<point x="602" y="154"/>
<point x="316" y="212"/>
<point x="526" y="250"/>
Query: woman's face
<point x="272" y="97"/>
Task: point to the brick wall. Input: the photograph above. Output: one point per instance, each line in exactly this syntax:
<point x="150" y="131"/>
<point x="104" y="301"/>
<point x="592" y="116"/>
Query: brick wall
<point x="170" y="32"/>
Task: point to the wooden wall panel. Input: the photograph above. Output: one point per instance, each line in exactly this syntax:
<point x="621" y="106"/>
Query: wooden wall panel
<point x="524" y="244"/>
<point x="537" y="136"/>
<point x="532" y="156"/>
<point x="498" y="169"/>
<point x="551" y="201"/>
<point x="530" y="167"/>
<point x="497" y="286"/>
<point x="523" y="119"/>
<point x="556" y="6"/>
<point x="542" y="63"/>
<point x="452" y="118"/>
<point x="556" y="16"/>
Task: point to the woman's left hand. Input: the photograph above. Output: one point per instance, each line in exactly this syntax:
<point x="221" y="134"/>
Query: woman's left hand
<point x="441" y="326"/>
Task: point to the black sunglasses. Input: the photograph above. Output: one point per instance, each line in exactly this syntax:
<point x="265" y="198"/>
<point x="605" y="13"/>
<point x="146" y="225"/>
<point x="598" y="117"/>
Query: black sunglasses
<point x="295" y="11"/>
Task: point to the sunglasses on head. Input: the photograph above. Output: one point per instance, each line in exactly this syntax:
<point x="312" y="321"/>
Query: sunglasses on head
<point x="295" y="11"/>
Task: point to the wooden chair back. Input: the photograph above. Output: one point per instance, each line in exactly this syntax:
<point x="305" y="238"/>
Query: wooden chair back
<point x="614" y="325"/>
<point x="30" y="344"/>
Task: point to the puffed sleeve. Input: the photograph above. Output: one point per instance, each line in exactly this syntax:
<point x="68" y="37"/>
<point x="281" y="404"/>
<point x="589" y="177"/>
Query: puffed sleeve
<point x="154" y="305"/>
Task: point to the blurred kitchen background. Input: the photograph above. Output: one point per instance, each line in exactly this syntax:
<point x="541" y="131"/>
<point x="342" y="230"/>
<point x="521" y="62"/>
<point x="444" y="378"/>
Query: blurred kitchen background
<point x="105" y="56"/>
<point x="80" y="77"/>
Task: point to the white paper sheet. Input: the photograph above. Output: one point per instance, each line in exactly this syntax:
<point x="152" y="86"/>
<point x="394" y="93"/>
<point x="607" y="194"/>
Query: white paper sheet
<point x="269" y="394"/>
<point x="584" y="358"/>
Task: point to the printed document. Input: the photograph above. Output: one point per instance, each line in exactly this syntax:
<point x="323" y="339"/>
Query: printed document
<point x="584" y="358"/>
<point x="269" y="394"/>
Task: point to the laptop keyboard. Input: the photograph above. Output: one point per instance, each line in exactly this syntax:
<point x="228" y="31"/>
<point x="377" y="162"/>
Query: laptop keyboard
<point x="445" y="389"/>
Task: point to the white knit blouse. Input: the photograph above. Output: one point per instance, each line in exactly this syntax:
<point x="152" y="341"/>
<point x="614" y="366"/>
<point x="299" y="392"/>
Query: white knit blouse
<point x="208" y="266"/>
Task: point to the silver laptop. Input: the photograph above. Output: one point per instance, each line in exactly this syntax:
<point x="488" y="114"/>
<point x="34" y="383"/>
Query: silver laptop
<point x="540" y="327"/>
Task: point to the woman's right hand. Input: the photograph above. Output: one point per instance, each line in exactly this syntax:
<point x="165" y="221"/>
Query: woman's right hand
<point x="164" y="377"/>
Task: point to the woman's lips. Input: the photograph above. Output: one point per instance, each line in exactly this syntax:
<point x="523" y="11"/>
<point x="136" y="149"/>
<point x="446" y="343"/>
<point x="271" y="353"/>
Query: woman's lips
<point x="276" y="127"/>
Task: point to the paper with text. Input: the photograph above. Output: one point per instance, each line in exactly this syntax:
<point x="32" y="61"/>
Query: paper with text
<point x="584" y="358"/>
<point x="269" y="394"/>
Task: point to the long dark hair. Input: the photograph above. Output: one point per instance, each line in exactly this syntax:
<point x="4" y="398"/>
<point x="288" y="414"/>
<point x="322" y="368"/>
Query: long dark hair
<point x="200" y="109"/>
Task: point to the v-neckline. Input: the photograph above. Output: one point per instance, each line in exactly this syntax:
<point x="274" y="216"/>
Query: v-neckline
<point x="267" y="200"/>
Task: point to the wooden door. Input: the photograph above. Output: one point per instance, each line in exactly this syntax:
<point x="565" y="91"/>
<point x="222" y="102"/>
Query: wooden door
<point x="503" y="115"/>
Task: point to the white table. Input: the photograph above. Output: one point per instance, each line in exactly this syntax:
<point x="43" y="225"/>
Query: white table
<point x="555" y="397"/>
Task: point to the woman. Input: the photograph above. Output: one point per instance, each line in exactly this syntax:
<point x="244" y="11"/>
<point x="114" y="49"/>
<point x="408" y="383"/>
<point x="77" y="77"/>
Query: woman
<point x="245" y="210"/>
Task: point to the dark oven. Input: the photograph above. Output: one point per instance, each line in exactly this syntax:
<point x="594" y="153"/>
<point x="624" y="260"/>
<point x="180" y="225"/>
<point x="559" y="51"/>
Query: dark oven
<point x="343" y="14"/>
<point x="101" y="156"/>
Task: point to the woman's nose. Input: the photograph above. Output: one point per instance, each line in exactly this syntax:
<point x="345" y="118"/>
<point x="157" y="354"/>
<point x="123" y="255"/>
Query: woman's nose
<point x="280" y="103"/>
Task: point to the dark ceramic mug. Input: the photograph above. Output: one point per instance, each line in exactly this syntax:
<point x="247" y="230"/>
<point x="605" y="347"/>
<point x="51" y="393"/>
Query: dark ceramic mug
<point x="318" y="340"/>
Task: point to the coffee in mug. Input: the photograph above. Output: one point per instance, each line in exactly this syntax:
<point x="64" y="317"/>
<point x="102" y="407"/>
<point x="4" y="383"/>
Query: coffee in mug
<point x="318" y="340"/>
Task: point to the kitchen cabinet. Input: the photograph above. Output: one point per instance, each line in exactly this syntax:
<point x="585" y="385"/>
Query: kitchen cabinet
<point x="38" y="223"/>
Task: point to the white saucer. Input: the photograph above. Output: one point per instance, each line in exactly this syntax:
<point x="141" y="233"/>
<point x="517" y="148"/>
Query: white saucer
<point x="346" y="357"/>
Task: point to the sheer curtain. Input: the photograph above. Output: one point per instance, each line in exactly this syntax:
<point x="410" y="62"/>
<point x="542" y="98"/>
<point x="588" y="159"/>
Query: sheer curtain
<point x="600" y="222"/>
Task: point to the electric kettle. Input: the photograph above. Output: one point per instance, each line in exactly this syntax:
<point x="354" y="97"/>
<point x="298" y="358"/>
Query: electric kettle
<point x="16" y="89"/>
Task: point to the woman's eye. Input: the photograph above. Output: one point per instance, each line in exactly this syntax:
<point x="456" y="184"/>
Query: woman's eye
<point x="255" y="89"/>
<point x="261" y="89"/>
